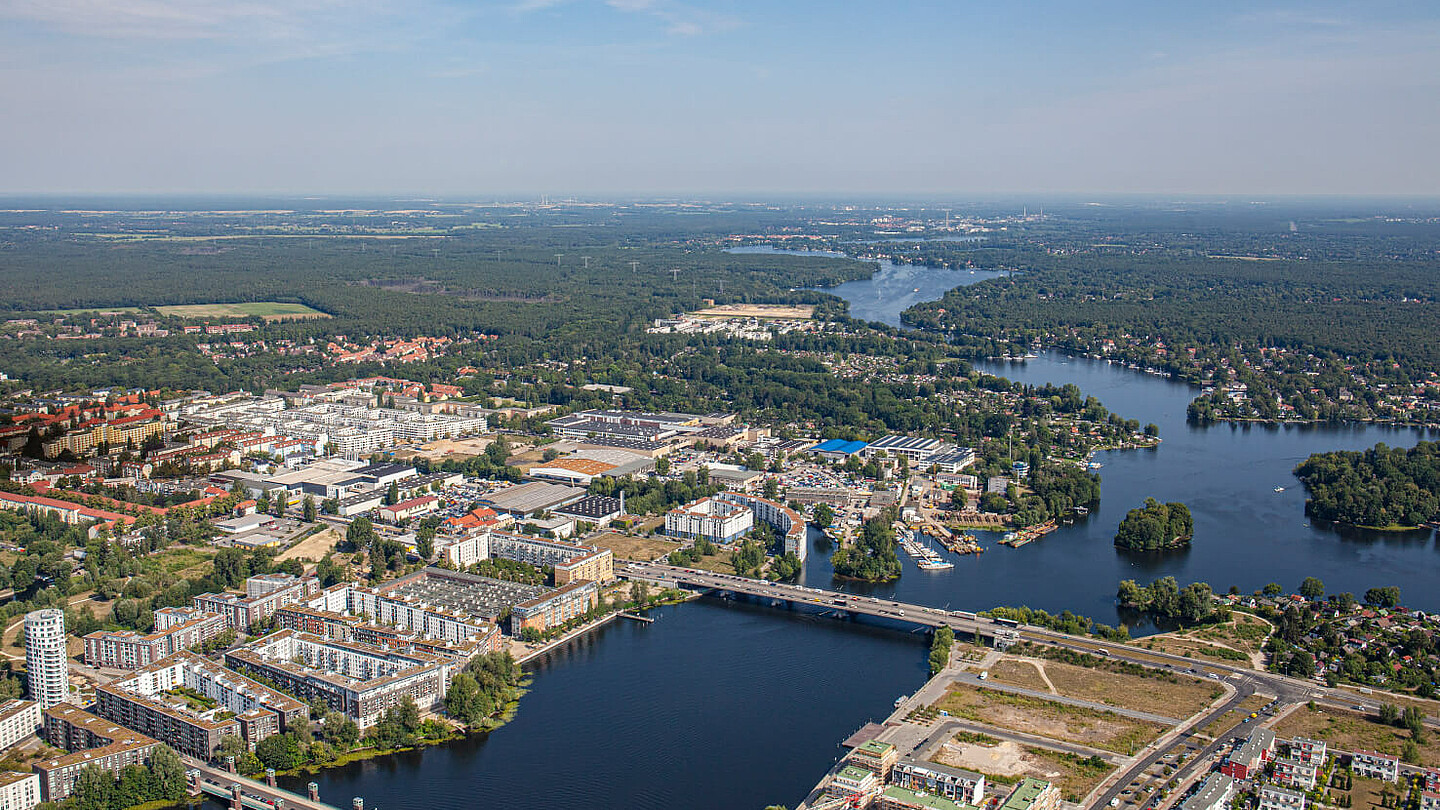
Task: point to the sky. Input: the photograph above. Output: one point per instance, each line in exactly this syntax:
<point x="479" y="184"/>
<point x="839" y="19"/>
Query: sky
<point x="522" y="98"/>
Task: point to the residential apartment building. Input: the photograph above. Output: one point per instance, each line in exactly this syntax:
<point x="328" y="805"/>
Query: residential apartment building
<point x="46" y="669"/>
<point x="263" y="596"/>
<point x="570" y="560"/>
<point x="965" y="787"/>
<point x="341" y="627"/>
<point x="1374" y="765"/>
<point x="1214" y="794"/>
<point x="716" y="520"/>
<point x="1278" y="798"/>
<point x="18" y="720"/>
<point x="92" y="741"/>
<point x="1249" y="757"/>
<point x="19" y="791"/>
<point x="360" y="680"/>
<point x="1296" y="774"/>
<point x="1307" y="750"/>
<point x="190" y="703"/>
<point x="128" y="431"/>
<point x="126" y="649"/>
<point x="788" y="523"/>
<point x="556" y="607"/>
<point x="895" y="797"/>
<point x="876" y="756"/>
<point x="853" y="782"/>
<point x="1032" y="794"/>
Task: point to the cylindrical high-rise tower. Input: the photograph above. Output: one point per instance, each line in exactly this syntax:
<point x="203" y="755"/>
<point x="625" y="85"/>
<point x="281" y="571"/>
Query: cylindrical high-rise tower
<point x="45" y="656"/>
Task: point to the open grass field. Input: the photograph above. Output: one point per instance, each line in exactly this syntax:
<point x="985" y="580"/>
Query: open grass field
<point x="1242" y="636"/>
<point x="1178" y="696"/>
<point x="631" y="547"/>
<point x="1019" y="673"/>
<point x="1350" y="731"/>
<point x="269" y="310"/>
<point x="1045" y="718"/>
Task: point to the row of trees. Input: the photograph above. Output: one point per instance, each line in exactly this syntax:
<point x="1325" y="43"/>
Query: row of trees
<point x="1165" y="599"/>
<point x="162" y="779"/>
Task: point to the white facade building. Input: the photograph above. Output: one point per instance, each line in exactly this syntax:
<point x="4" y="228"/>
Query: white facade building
<point x="19" y="791"/>
<point x="18" y="720"/>
<point x="45" y="664"/>
<point x="710" y="518"/>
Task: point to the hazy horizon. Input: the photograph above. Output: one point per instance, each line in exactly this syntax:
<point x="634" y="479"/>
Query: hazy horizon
<point x="654" y="98"/>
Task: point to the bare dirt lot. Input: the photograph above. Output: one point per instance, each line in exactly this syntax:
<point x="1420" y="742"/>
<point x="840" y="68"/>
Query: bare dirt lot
<point x="441" y="448"/>
<point x="757" y="311"/>
<point x="1045" y="718"/>
<point x="313" y="547"/>
<point x="1007" y="762"/>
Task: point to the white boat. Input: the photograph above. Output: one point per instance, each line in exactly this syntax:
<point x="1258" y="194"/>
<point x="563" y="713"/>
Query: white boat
<point x="1279" y="489"/>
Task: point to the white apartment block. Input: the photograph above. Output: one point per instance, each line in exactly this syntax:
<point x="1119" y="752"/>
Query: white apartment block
<point x="19" y="791"/>
<point x="1296" y="774"/>
<point x="360" y="680"/>
<point x="1276" y="798"/>
<point x="18" y="720"/>
<point x="429" y="621"/>
<point x="46" y="668"/>
<point x="1308" y="750"/>
<point x="351" y="430"/>
<point x="1373" y="765"/>
<point x="711" y="518"/>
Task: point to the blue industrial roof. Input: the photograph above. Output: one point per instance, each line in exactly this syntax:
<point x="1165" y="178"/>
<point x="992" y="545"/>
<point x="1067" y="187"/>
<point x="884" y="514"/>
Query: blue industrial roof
<point x="839" y="446"/>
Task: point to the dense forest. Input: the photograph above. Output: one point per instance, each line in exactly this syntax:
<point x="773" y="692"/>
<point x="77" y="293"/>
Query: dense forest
<point x="1381" y="487"/>
<point x="1155" y="526"/>
<point x="1323" y="324"/>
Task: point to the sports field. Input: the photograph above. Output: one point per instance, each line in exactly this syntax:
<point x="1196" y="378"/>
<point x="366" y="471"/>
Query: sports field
<point x="269" y="310"/>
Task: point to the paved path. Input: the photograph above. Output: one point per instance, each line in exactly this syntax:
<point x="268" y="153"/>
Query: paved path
<point x="973" y="680"/>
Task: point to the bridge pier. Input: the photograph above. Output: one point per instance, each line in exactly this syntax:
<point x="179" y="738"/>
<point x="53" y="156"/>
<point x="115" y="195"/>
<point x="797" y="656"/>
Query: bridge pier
<point x="314" y="792"/>
<point x="230" y="764"/>
<point x="270" y="777"/>
<point x="236" y="803"/>
<point x="358" y="803"/>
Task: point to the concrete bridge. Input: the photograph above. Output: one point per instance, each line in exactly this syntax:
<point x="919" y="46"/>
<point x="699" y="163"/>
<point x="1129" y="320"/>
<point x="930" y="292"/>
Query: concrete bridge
<point x="960" y="621"/>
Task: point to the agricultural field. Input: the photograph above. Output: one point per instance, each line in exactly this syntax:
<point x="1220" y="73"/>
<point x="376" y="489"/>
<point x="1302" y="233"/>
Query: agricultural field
<point x="269" y="310"/>
<point x="1351" y="730"/>
<point x="1045" y="718"/>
